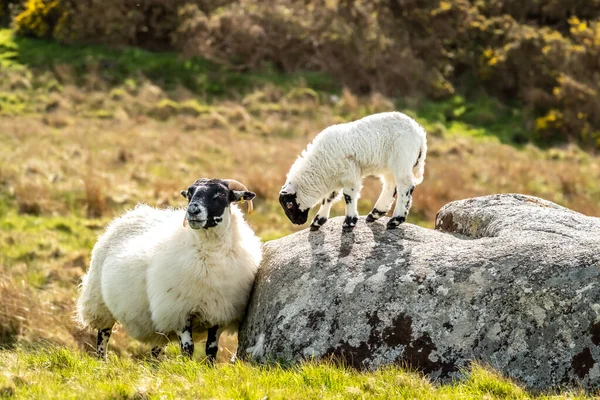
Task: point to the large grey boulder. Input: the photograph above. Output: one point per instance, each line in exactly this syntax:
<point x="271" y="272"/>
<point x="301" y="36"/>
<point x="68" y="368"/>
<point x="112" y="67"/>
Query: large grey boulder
<point x="510" y="280"/>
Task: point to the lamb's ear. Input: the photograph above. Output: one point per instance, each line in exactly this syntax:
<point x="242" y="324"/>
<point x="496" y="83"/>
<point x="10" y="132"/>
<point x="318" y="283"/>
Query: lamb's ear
<point x="184" y="193"/>
<point x="287" y="189"/>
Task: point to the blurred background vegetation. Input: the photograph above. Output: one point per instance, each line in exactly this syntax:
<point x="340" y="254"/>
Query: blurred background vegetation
<point x="541" y="54"/>
<point x="107" y="103"/>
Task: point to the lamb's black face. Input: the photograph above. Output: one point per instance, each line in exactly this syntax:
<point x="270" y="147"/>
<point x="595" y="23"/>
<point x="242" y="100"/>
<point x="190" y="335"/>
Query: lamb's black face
<point x="292" y="209"/>
<point x="208" y="200"/>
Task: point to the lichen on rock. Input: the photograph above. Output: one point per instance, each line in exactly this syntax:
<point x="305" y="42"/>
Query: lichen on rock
<point x="508" y="280"/>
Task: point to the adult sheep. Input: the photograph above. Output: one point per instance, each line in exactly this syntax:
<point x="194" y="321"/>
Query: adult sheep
<point x="159" y="277"/>
<point x="389" y="145"/>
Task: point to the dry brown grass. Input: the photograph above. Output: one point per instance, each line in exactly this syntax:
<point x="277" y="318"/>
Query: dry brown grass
<point x="464" y="169"/>
<point x="38" y="299"/>
<point x="48" y="171"/>
<point x="95" y="201"/>
<point x="30" y="197"/>
<point x="255" y="140"/>
<point x="29" y="315"/>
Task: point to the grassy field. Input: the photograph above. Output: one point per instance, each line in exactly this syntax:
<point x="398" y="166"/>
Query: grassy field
<point x="87" y="132"/>
<point x="63" y="374"/>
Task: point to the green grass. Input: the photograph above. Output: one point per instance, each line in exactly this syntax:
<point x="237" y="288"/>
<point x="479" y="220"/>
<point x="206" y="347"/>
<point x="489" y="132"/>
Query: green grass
<point x="27" y="237"/>
<point x="479" y="116"/>
<point x="58" y="373"/>
<point x="167" y="70"/>
<point x="44" y="244"/>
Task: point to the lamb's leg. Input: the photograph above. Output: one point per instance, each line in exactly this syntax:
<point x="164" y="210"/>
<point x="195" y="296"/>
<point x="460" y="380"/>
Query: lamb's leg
<point x="351" y="195"/>
<point x="405" y="190"/>
<point x="212" y="343"/>
<point x="323" y="213"/>
<point x="186" y="340"/>
<point x="102" y="342"/>
<point x="157" y="351"/>
<point x="385" y="201"/>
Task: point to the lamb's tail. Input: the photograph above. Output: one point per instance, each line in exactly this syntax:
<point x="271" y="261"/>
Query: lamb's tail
<point x="419" y="165"/>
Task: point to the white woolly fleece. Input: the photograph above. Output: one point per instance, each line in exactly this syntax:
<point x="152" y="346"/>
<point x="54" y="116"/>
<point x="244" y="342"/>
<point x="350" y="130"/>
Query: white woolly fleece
<point x="149" y="273"/>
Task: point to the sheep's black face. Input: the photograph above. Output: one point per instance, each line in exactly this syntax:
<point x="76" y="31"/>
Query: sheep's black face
<point x="292" y="209"/>
<point x="208" y="200"/>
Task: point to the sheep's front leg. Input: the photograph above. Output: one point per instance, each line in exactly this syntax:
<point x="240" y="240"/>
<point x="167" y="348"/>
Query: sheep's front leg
<point x="212" y="343"/>
<point x="384" y="203"/>
<point x="351" y="195"/>
<point x="323" y="213"/>
<point x="402" y="205"/>
<point x="186" y="341"/>
<point x="102" y="342"/>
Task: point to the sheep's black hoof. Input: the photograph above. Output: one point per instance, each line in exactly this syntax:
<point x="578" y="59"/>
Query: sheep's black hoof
<point x="187" y="350"/>
<point x="349" y="224"/>
<point x="394" y="222"/>
<point x="317" y="223"/>
<point x="157" y="352"/>
<point x="211" y="360"/>
<point x="370" y="218"/>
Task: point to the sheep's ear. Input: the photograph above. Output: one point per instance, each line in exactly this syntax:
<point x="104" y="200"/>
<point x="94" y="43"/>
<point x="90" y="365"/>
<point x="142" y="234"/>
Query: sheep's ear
<point x="240" y="195"/>
<point x="184" y="193"/>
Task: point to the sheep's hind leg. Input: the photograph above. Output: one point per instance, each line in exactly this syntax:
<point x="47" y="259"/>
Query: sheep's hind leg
<point x="385" y="200"/>
<point x="186" y="340"/>
<point x="351" y="195"/>
<point x="212" y="343"/>
<point x="323" y="213"/>
<point x="157" y="352"/>
<point x="405" y="190"/>
<point x="102" y="342"/>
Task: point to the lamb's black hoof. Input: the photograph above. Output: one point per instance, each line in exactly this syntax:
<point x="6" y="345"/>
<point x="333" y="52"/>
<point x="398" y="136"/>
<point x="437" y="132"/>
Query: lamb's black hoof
<point x="349" y="224"/>
<point x="375" y="214"/>
<point x="317" y="223"/>
<point x="394" y="222"/>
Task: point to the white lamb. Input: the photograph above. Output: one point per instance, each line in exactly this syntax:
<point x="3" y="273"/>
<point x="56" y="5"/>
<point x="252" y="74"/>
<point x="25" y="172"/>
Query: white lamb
<point x="389" y="145"/>
<point x="157" y="276"/>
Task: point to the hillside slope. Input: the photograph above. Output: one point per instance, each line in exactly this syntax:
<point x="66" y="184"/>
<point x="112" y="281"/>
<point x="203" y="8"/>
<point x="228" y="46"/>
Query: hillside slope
<point x="82" y="139"/>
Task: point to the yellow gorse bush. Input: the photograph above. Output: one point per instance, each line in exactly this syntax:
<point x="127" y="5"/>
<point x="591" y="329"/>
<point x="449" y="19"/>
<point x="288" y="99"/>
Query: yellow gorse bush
<point x="43" y="18"/>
